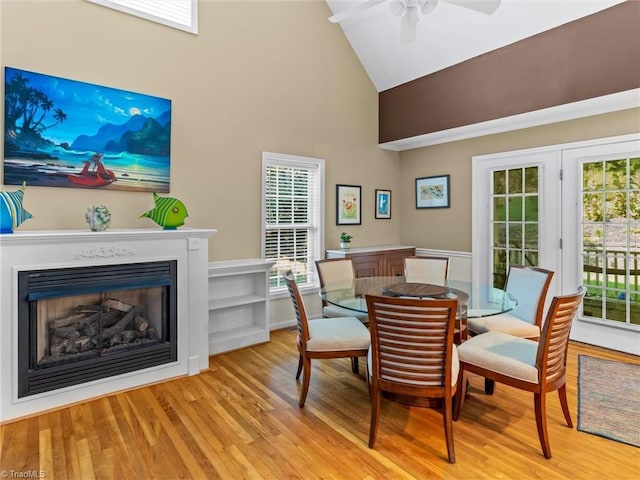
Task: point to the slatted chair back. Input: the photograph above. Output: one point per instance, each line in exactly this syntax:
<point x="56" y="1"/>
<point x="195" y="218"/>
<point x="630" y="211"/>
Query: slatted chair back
<point x="412" y="354"/>
<point x="299" y="308"/>
<point x="551" y="358"/>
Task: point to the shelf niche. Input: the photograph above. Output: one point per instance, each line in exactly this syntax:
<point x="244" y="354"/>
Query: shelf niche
<point x="238" y="304"/>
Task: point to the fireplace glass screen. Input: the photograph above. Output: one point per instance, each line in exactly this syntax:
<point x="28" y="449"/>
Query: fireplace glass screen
<point x="81" y="324"/>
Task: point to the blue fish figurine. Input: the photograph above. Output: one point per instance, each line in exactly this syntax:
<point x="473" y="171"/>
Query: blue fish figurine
<point x="169" y="212"/>
<point x="12" y="213"/>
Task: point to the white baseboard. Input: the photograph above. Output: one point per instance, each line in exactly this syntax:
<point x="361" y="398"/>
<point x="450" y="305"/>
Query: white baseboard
<point x="282" y="324"/>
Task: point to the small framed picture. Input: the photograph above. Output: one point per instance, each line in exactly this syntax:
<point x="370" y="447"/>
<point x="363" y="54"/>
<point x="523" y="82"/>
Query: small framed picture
<point x="348" y="204"/>
<point x="433" y="192"/>
<point x="383" y="203"/>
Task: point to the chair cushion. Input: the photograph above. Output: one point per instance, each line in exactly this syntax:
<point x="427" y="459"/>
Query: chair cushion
<point x="455" y="365"/>
<point x="506" y="354"/>
<point x="335" y="311"/>
<point x="504" y="323"/>
<point x="337" y="334"/>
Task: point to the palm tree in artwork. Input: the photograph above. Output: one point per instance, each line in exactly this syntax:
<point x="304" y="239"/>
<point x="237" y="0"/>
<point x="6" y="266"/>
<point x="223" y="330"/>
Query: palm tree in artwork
<point x="27" y="108"/>
<point x="59" y="116"/>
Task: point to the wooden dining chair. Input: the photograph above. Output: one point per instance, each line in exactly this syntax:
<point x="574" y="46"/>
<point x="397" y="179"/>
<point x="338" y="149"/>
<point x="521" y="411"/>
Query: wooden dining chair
<point x="535" y="366"/>
<point x="427" y="269"/>
<point x="339" y="273"/>
<point x="412" y="355"/>
<point x="529" y="286"/>
<point x="322" y="338"/>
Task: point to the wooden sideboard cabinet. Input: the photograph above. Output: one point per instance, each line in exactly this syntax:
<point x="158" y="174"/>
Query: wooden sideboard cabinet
<point x="378" y="261"/>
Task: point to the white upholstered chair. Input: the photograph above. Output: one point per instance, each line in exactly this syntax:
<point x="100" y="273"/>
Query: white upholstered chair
<point x="434" y="270"/>
<point x="535" y="366"/>
<point x="412" y="355"/>
<point x="426" y="269"/>
<point x="340" y="273"/>
<point x="529" y="286"/>
<point x="339" y="337"/>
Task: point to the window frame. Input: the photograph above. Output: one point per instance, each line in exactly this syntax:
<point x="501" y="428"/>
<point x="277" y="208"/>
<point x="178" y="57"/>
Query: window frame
<point x="293" y="161"/>
<point x="133" y="9"/>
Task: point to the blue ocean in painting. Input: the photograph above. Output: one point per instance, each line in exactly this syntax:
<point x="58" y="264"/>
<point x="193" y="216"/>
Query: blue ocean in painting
<point x="65" y="133"/>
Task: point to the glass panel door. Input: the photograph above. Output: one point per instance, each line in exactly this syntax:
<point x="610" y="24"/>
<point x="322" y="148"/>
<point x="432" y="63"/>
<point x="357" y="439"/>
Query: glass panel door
<point x="515" y="214"/>
<point x="601" y="233"/>
<point x="611" y="239"/>
<point x="514" y="220"/>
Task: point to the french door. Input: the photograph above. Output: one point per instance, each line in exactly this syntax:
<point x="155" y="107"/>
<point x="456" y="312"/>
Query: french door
<point x="601" y="206"/>
<point x="515" y="217"/>
<point x="573" y="209"/>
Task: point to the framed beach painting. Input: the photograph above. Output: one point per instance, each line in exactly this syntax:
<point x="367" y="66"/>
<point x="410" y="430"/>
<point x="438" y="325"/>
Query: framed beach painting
<point x="433" y="192"/>
<point x="67" y="133"/>
<point x="348" y="204"/>
<point x="383" y="203"/>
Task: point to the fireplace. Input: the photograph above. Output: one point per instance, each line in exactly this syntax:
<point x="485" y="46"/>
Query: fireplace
<point x="85" y="314"/>
<point x="88" y="323"/>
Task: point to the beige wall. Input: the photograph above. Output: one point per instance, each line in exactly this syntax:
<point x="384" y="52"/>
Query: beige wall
<point x="266" y="75"/>
<point x="450" y="228"/>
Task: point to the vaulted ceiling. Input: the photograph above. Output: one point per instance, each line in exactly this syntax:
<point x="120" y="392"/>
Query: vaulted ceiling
<point x="449" y="34"/>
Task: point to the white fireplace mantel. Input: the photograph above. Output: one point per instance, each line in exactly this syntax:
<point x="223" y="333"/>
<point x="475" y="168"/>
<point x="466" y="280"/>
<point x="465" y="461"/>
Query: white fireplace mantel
<point x="35" y="250"/>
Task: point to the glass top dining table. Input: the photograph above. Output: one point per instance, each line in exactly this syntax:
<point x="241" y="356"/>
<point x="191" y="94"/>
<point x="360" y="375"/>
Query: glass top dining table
<point x="480" y="300"/>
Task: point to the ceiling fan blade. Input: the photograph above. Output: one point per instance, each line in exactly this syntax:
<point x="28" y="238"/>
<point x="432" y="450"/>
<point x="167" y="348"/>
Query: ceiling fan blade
<point x="482" y="6"/>
<point x="349" y="12"/>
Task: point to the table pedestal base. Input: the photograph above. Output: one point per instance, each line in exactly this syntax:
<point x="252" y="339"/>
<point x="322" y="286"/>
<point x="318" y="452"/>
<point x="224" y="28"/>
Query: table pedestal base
<point x="414" y="401"/>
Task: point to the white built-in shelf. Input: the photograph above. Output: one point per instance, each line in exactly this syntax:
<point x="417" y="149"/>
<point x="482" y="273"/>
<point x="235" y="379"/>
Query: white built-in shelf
<point x="238" y="304"/>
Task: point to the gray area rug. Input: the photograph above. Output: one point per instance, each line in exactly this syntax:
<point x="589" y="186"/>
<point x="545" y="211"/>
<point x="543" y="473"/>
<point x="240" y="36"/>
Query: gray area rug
<point x="608" y="396"/>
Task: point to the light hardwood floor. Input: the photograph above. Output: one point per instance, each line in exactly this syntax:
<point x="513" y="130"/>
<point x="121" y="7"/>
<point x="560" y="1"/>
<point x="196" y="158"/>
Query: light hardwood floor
<point x="240" y="420"/>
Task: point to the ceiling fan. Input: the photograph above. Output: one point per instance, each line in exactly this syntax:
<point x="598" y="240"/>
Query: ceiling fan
<point x="407" y="10"/>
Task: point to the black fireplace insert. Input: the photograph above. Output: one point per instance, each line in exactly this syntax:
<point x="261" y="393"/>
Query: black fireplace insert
<point x="81" y="324"/>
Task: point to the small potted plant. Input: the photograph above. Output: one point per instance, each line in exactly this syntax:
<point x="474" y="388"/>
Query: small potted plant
<point x="345" y="240"/>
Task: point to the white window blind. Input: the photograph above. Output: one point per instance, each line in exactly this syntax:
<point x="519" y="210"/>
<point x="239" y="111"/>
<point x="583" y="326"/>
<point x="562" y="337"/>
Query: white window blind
<point x="293" y="199"/>
<point x="181" y="14"/>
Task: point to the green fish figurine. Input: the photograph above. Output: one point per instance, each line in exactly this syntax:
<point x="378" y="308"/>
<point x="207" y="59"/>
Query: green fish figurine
<point x="169" y="212"/>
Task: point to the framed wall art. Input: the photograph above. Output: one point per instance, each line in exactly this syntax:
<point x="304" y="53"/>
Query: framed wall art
<point x="383" y="203"/>
<point x="67" y="133"/>
<point x="433" y="192"/>
<point x="348" y="204"/>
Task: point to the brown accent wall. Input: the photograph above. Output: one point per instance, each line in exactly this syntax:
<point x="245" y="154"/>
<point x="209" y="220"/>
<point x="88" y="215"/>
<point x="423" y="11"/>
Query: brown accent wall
<point x="590" y="57"/>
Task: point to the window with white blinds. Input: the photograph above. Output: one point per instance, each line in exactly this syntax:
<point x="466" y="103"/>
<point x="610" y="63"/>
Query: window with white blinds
<point x="293" y="199"/>
<point x="180" y="14"/>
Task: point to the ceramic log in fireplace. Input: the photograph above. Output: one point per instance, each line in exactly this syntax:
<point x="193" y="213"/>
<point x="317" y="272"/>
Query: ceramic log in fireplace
<point x="62" y="291"/>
